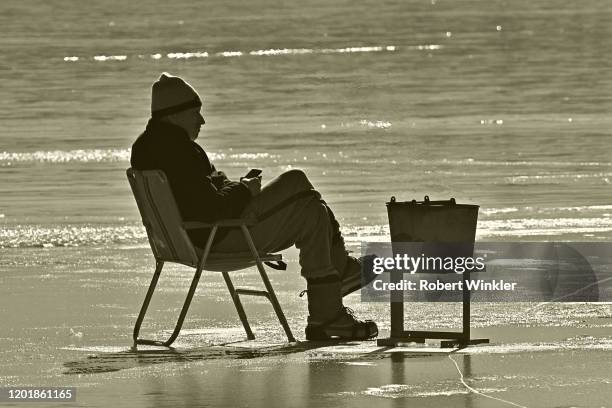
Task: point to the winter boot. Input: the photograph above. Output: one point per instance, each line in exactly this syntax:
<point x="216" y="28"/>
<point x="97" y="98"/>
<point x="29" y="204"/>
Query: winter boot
<point x="329" y="318"/>
<point x="357" y="273"/>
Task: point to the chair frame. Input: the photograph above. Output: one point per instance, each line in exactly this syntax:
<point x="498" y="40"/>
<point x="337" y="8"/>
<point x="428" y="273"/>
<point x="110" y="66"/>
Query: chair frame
<point x="207" y="260"/>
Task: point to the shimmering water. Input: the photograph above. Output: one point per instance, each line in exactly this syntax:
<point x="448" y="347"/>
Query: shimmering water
<point x="502" y="104"/>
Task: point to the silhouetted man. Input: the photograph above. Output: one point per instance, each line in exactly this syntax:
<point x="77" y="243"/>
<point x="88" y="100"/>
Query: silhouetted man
<point x="288" y="210"/>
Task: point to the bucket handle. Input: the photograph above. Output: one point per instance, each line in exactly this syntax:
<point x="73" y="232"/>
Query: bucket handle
<point x="427" y="201"/>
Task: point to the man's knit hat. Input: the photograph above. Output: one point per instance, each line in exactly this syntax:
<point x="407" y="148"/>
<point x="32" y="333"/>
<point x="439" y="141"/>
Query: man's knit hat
<point x="171" y="94"/>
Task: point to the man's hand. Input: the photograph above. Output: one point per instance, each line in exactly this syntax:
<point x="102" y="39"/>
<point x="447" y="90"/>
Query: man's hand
<point x="218" y="178"/>
<point x="254" y="184"/>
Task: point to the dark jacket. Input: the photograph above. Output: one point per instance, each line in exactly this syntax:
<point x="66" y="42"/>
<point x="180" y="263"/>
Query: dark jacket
<point x="199" y="195"/>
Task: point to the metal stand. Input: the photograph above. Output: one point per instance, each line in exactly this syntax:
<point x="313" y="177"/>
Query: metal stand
<point x="449" y="339"/>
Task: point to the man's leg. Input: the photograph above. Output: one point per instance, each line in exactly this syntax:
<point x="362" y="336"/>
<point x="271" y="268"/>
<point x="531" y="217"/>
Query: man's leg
<point x="338" y="252"/>
<point x="291" y="184"/>
<point x="290" y="212"/>
<point x="287" y="208"/>
<point x="354" y="273"/>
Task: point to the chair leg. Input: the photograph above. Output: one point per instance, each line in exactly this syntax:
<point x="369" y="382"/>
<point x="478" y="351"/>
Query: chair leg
<point x="268" y="285"/>
<point x="239" y="308"/>
<point x="179" y="324"/>
<point x="145" y="305"/>
<point x="181" y="319"/>
<point x="192" y="289"/>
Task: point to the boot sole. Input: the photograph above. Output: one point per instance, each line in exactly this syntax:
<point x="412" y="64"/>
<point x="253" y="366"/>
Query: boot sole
<point x="320" y="333"/>
<point x="316" y="333"/>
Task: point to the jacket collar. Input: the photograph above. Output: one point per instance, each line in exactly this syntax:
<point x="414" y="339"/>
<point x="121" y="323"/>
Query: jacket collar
<point x="159" y="128"/>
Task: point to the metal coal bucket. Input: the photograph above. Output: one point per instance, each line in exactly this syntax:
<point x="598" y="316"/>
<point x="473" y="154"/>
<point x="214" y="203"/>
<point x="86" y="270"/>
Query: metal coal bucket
<point x="432" y="221"/>
<point x="439" y="228"/>
<point x="432" y="228"/>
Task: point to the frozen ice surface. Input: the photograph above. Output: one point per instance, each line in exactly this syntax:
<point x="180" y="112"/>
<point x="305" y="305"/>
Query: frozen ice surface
<point x="68" y="314"/>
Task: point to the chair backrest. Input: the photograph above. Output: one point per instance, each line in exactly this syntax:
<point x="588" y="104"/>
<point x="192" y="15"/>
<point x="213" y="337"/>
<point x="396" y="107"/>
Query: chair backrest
<point x="160" y="216"/>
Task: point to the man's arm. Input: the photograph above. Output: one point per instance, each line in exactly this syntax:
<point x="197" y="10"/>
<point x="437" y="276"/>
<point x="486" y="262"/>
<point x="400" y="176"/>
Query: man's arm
<point x="199" y="197"/>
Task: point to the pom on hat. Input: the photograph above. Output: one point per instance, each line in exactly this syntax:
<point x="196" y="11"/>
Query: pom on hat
<point x="171" y="94"/>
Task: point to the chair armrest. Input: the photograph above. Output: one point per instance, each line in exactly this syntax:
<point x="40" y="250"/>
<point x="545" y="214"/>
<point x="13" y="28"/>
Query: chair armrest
<point x="229" y="222"/>
<point x="196" y="224"/>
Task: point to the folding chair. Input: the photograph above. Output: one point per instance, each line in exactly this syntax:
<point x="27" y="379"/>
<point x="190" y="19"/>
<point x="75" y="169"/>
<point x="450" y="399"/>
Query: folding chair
<point x="169" y="241"/>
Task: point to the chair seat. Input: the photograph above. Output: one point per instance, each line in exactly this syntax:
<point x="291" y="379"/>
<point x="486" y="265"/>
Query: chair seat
<point x="232" y="261"/>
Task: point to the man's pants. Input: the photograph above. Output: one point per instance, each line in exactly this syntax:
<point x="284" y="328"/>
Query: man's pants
<point x="291" y="212"/>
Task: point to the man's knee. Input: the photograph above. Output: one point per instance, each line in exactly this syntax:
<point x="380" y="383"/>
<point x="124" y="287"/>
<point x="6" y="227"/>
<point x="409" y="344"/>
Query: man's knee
<point x="296" y="177"/>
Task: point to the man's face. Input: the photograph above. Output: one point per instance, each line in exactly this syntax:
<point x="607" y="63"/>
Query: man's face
<point x="190" y="120"/>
